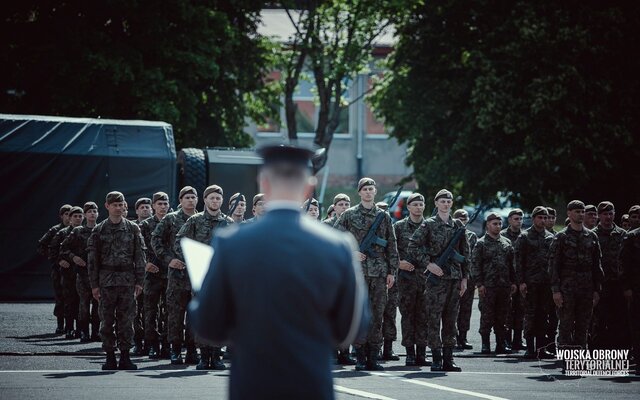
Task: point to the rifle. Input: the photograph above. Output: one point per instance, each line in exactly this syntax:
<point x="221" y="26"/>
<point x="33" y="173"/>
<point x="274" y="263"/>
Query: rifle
<point x="450" y="250"/>
<point x="235" y="204"/>
<point x="370" y="239"/>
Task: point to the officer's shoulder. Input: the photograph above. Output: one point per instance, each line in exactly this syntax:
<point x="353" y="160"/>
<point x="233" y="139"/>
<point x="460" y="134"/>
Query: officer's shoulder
<point x="319" y="232"/>
<point x="401" y="222"/>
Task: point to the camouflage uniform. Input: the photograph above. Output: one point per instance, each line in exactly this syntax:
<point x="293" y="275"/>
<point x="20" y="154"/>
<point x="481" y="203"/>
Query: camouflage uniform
<point x="69" y="292"/>
<point x="76" y="245"/>
<point x="426" y="244"/>
<point x="492" y="263"/>
<point x="515" y="315"/>
<point x="630" y="263"/>
<point x="138" y="320"/>
<point x="466" y="301"/>
<point x="610" y="313"/>
<point x="331" y="221"/>
<point x="116" y="265"/>
<point x="574" y="264"/>
<point x="357" y="220"/>
<point x="155" y="289"/>
<point x="411" y="287"/>
<point x="56" y="278"/>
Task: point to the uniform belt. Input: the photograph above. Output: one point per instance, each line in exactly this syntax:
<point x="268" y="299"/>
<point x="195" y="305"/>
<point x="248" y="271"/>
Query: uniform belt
<point x="117" y="268"/>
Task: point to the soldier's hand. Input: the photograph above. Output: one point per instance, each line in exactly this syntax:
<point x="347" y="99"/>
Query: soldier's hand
<point x="514" y="289"/>
<point x="482" y="291"/>
<point x="523" y="289"/>
<point x="628" y="295"/>
<point x="596" y="298"/>
<point x="151" y="268"/>
<point x="557" y="298"/>
<point x="177" y="264"/>
<point x="434" y="269"/>
<point x="79" y="261"/>
<point x="361" y="256"/>
<point x="406" y="266"/>
<point x="137" y="291"/>
<point x="390" y="281"/>
<point x="463" y="286"/>
<point x="96" y="293"/>
<point x="64" y="264"/>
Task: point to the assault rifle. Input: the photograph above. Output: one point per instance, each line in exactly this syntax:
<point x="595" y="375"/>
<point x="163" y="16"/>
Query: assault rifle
<point x="235" y="204"/>
<point x="370" y="239"/>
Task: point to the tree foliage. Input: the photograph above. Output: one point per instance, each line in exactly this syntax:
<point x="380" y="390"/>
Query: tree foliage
<point x="538" y="99"/>
<point x="197" y="65"/>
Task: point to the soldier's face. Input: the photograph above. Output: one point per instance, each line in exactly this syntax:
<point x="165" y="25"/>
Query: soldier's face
<point x="341" y="207"/>
<point x="515" y="222"/>
<point x="116" y="209"/>
<point x="65" y="218"/>
<point x="624" y="223"/>
<point x="240" y="208"/>
<point x="213" y="201"/>
<point x="576" y="216"/>
<point x="161" y="207"/>
<point x="539" y="221"/>
<point x="494" y="226"/>
<point x="259" y="209"/>
<point x="606" y="218"/>
<point x="634" y="220"/>
<point x="143" y="211"/>
<point x="76" y="219"/>
<point x="189" y="201"/>
<point x="590" y="218"/>
<point x="444" y="205"/>
<point x="416" y="208"/>
<point x="551" y="222"/>
<point x="368" y="193"/>
<point x="313" y="212"/>
<point x="91" y="215"/>
<point x="464" y="218"/>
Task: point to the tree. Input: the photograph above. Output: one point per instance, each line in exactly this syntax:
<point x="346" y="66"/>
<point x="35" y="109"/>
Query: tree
<point x="198" y="66"/>
<point x="536" y="99"/>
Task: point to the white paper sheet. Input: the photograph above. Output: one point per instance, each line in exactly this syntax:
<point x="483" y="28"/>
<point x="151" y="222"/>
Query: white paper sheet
<point x="198" y="258"/>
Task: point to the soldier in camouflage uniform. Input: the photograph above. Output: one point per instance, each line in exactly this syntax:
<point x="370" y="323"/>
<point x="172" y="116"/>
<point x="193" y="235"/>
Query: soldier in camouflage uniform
<point x="551" y="220"/>
<point x="389" y="330"/>
<point x="341" y="202"/>
<point x="201" y="227"/>
<point x="493" y="271"/>
<point x="178" y="292"/>
<point x="155" y="284"/>
<point x="379" y="269"/>
<point x="608" y="326"/>
<point x="630" y="264"/>
<point x="590" y="217"/>
<point x="576" y="277"/>
<point x="531" y="258"/>
<point x="68" y="273"/>
<point x="515" y="316"/>
<point x="634" y="217"/>
<point x="411" y="287"/>
<point x="56" y="279"/>
<point x="143" y="211"/>
<point x="331" y="212"/>
<point x="466" y="301"/>
<point x="241" y="207"/>
<point x="74" y="250"/>
<point x="313" y="209"/>
<point x="258" y="210"/>
<point x="116" y="273"/>
<point x="443" y="293"/>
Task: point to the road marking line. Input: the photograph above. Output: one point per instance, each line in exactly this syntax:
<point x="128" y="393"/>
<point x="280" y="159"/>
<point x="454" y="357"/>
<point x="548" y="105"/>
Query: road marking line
<point x="450" y="389"/>
<point x="360" y="393"/>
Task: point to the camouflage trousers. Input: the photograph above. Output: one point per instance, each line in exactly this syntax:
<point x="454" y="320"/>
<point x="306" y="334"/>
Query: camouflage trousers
<point x="88" y="306"/>
<point x="389" y="330"/>
<point x="515" y="314"/>
<point x="495" y="306"/>
<point x="443" y="300"/>
<point x="56" y="281"/>
<point x="377" y="287"/>
<point x="70" y="293"/>
<point x="413" y="308"/>
<point x="538" y="304"/>
<point x="138" y="320"/>
<point x="575" y="314"/>
<point x="117" y="305"/>
<point x="466" y="306"/>
<point x="155" y="313"/>
<point x="610" y="322"/>
<point x="177" y="300"/>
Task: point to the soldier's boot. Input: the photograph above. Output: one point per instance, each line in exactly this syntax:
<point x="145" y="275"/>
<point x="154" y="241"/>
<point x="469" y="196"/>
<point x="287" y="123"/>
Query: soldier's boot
<point x="111" y="364"/>
<point x="138" y="349"/>
<point x="516" y="342"/>
<point x="125" y="362"/>
<point x="165" y="351"/>
<point x="410" y="361"/>
<point x="531" y="353"/>
<point x="436" y="365"/>
<point x="154" y="352"/>
<point x="216" y="362"/>
<point x="387" y="353"/>
<point x="501" y="346"/>
<point x="507" y="344"/>
<point x="192" y="355"/>
<point x="60" y="328"/>
<point x="95" y="332"/>
<point x="551" y="345"/>
<point x="205" y="359"/>
<point x="361" y="359"/>
<point x="447" y="360"/>
<point x="421" y="356"/>
<point x="486" y="344"/>
<point x="372" y="361"/>
<point x="176" y="354"/>
<point x="84" y="332"/>
<point x="344" y="357"/>
<point x="463" y="344"/>
<point x="542" y="351"/>
<point x="69" y="333"/>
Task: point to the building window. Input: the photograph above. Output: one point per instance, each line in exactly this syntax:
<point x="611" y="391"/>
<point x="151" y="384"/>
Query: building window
<point x="373" y="126"/>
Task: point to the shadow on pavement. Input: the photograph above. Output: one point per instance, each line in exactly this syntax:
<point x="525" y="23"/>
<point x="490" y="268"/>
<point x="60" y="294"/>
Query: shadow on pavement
<point x="179" y="374"/>
<point x="621" y="379"/>
<point x="78" y="374"/>
<point x="41" y="336"/>
<point x="424" y="375"/>
<point x="350" y="374"/>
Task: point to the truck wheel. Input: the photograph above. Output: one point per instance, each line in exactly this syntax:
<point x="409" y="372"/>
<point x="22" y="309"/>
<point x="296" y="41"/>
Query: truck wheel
<point x="192" y="169"/>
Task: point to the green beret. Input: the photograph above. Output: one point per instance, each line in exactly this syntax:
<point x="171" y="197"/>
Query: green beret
<point x="234" y="197"/>
<point x="382" y="205"/>
<point x="634" y="210"/>
<point x="160" y="196"/>
<point x="590" y="209"/>
<point x="605" y="206"/>
<point x="552" y="211"/>
<point x="141" y="201"/>
<point x="75" y="210"/>
<point x="415" y="197"/>
<point x="539" y="210"/>
<point x="515" y="211"/>
<point x="340" y="197"/>
<point x="187" y="190"/>
<point x="492" y="216"/>
<point x="257" y="198"/>
<point x="314" y="202"/>
<point x="575" y="205"/>
<point x="365" y="182"/>
<point x="114" y="197"/>
<point x="443" y="194"/>
<point x="460" y="212"/>
<point x="212" y="189"/>
<point x="89" y="205"/>
<point x="65" y="208"/>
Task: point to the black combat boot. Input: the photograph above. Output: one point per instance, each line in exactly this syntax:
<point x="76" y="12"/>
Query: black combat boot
<point x="486" y="344"/>
<point x="84" y="332"/>
<point x="500" y="345"/>
<point x="60" y="328"/>
<point x="421" y="356"/>
<point x="447" y="360"/>
<point x="95" y="332"/>
<point x="361" y="359"/>
<point x="543" y="354"/>
<point x="387" y="353"/>
<point x="372" y="361"/>
<point x="205" y="359"/>
<point x="154" y="352"/>
<point x="69" y="332"/>
<point x="410" y="361"/>
<point x="111" y="364"/>
<point x="531" y="353"/>
<point x="125" y="362"/>
<point x="216" y="362"/>
<point x="463" y="344"/>
<point x="165" y="351"/>
<point x="436" y="365"/>
<point x="138" y="349"/>
<point x="344" y="357"/>
<point x="516" y="343"/>
<point x="191" y="356"/>
<point x="507" y="344"/>
<point x="551" y="345"/>
<point x="176" y="354"/>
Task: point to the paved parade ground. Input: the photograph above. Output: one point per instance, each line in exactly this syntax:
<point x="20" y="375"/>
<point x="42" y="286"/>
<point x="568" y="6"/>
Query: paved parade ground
<point x="36" y="364"/>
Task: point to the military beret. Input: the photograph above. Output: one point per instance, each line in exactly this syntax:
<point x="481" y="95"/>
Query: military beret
<point x="634" y="210"/>
<point x="492" y="216"/>
<point x="340" y="197"/>
<point x="590" y="208"/>
<point x="272" y="154"/>
<point x="575" y="205"/>
<point x="625" y="217"/>
<point x="365" y="182"/>
<point x="75" y="210"/>
<point x="330" y="209"/>
<point x="234" y="197"/>
<point x="539" y="210"/>
<point x="415" y="197"/>
<point x="460" y="212"/>
<point x="443" y="194"/>
<point x="114" y="197"/>
<point x="212" y="189"/>
<point x="89" y="205"/>
<point x="187" y="190"/>
<point x="65" y="208"/>
<point x="314" y="202"/>
<point x="516" y="211"/>
<point x="605" y="206"/>
<point x="141" y="201"/>
<point x="160" y="196"/>
<point x="257" y="198"/>
<point x="382" y="205"/>
<point x="552" y="211"/>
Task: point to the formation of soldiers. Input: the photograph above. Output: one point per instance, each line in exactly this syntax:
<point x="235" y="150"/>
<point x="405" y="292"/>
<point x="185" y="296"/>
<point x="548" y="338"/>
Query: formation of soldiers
<point x="126" y="284"/>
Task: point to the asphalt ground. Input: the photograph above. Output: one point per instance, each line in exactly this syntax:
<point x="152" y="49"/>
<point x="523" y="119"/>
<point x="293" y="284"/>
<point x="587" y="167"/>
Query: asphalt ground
<point x="36" y="364"/>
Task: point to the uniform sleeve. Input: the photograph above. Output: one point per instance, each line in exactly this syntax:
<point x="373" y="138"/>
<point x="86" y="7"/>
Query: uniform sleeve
<point x="54" y="247"/>
<point x="45" y="240"/>
<point x="139" y="257"/>
<point x="93" y="264"/>
<point x="555" y="262"/>
<point x="477" y="265"/>
<point x="597" y="273"/>
<point x="511" y="265"/>
<point x="185" y="231"/>
<point x="66" y="247"/>
<point x="519" y="258"/>
<point x="464" y="252"/>
<point x="342" y="222"/>
<point x="158" y="245"/>
<point x="417" y="250"/>
<point x="630" y="266"/>
<point x="393" y="259"/>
